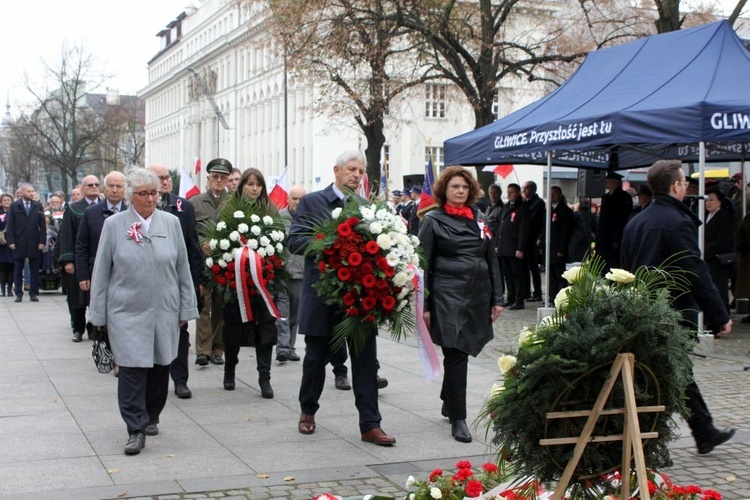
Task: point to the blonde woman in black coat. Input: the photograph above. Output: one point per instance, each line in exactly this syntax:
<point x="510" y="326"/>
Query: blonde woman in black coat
<point x="463" y="283"/>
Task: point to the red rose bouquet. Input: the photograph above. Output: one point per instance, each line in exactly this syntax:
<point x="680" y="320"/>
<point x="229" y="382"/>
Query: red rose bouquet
<point x="464" y="483"/>
<point x="368" y="265"/>
<point x="247" y="252"/>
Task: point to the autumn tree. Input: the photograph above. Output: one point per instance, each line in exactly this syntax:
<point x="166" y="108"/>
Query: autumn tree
<point x="17" y="156"/>
<point x="357" y="53"/>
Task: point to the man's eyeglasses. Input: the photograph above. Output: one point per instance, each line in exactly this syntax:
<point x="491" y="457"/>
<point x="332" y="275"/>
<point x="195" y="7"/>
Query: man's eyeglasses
<point x="146" y="194"/>
<point x="163" y="178"/>
<point x="93" y="185"/>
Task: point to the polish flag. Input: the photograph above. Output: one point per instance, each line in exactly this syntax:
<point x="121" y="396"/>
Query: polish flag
<point x="280" y="191"/>
<point x="187" y="186"/>
<point x="197" y="166"/>
<point x="501" y="170"/>
<point x="364" y="187"/>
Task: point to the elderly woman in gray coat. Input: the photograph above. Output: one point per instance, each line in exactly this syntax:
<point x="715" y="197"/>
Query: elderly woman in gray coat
<point x="141" y="289"/>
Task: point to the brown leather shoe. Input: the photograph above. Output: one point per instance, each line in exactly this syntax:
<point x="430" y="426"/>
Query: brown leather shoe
<point x="306" y="424"/>
<point x="379" y="437"/>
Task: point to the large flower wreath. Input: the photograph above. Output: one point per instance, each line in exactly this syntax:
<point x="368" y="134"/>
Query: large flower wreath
<point x="563" y="362"/>
<point x="368" y="266"/>
<point x="247" y="252"/>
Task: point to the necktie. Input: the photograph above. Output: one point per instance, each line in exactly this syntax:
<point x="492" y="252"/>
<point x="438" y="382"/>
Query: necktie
<point x="28" y="207"/>
<point x="115" y="209"/>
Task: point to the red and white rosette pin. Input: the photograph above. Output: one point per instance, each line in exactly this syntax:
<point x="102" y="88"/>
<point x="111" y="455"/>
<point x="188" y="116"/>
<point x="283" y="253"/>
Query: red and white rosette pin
<point x="243" y="256"/>
<point x="134" y="233"/>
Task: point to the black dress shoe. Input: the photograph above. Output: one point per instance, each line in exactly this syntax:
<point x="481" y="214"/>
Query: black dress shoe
<point x="77" y="336"/>
<point x="516" y="306"/>
<point x="136" y="442"/>
<point x="265" y="388"/>
<point x="182" y="391"/>
<point x="151" y="430"/>
<point x="382" y="382"/>
<point x="228" y="384"/>
<point x="460" y="431"/>
<point x="342" y="383"/>
<point x="201" y="360"/>
<point x="217" y="360"/>
<point x="34" y="298"/>
<point x="293" y="356"/>
<point x="718" y="437"/>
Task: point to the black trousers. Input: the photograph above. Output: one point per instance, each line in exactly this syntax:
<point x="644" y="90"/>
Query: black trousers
<point x="338" y="359"/>
<point x="178" y="369"/>
<point x="142" y="394"/>
<point x="556" y="281"/>
<point x="33" y="276"/>
<point x="260" y="332"/>
<point x="364" y="379"/>
<point x="532" y="262"/>
<point x="516" y="278"/>
<point x="701" y="423"/>
<point x="453" y="392"/>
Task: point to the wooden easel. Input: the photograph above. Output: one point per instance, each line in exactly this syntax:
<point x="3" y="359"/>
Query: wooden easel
<point x="631" y="435"/>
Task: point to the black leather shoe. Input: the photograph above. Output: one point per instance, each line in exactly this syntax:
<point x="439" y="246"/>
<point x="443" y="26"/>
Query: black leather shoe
<point x="217" y="360"/>
<point x="34" y="298"/>
<point x="228" y="383"/>
<point x="293" y="356"/>
<point x="136" y="442"/>
<point x="281" y="357"/>
<point x="382" y="382"/>
<point x="77" y="336"/>
<point x="151" y="430"/>
<point x="717" y="438"/>
<point x="265" y="388"/>
<point x="460" y="431"/>
<point x="342" y="383"/>
<point x="182" y="391"/>
<point x="516" y="306"/>
<point x="201" y="360"/>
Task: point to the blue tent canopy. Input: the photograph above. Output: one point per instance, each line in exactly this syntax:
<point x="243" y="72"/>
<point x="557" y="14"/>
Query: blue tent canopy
<point x="630" y="105"/>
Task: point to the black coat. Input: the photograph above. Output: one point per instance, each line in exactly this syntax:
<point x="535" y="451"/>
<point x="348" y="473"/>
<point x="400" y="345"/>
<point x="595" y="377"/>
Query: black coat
<point x="463" y="280"/>
<point x="87" y="239"/>
<point x="537" y="216"/>
<point x="561" y="230"/>
<point x="664" y="229"/>
<point x="26" y="232"/>
<point x="719" y="235"/>
<point x="514" y="229"/>
<point x="613" y="215"/>
<point x="67" y="241"/>
<point x="183" y="210"/>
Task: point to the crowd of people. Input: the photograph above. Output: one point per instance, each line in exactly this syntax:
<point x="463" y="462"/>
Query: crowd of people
<point x="111" y="241"/>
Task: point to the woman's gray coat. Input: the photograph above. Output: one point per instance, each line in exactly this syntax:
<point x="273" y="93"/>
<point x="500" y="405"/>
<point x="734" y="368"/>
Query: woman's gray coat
<point x="142" y="291"/>
<point x="463" y="280"/>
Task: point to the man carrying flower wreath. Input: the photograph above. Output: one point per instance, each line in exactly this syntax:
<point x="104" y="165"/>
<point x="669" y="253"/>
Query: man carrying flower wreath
<point x="317" y="319"/>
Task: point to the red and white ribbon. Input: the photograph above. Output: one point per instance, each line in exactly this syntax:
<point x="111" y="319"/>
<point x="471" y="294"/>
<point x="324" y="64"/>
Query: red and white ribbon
<point x="426" y="349"/>
<point x="243" y="256"/>
<point x="134" y="233"/>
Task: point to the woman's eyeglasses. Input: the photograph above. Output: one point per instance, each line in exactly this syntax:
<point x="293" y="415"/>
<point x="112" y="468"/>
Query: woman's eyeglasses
<point x="146" y="194"/>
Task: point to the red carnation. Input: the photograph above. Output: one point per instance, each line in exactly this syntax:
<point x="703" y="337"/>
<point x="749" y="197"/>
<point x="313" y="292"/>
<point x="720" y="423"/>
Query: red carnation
<point x="491" y="468"/>
<point x="232" y="284"/>
<point x="388" y="302"/>
<point x="463" y="464"/>
<point x="369" y="318"/>
<point x="228" y="275"/>
<point x="221" y="280"/>
<point x="366" y="268"/>
<point x="352" y="222"/>
<point x="349" y="299"/>
<point x="344" y="274"/>
<point x="355" y="259"/>
<point x="382" y="263"/>
<point x="368" y="303"/>
<point x="322" y="266"/>
<point x="230" y="267"/>
<point x="390" y="271"/>
<point x="382" y="285"/>
<point x="329" y="251"/>
<point x="344" y="230"/>
<point x="270" y="276"/>
<point x="368" y="280"/>
<point x="335" y="261"/>
<point x="352" y="311"/>
<point x="435" y="474"/>
<point x="473" y="488"/>
<point x="462" y="475"/>
<point x="372" y="247"/>
<point x="319" y="236"/>
<point x="216" y="269"/>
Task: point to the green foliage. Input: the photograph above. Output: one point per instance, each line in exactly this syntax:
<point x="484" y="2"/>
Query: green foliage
<point x="565" y="360"/>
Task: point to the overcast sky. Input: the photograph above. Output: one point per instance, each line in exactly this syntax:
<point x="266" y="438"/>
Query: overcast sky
<point x="120" y="35"/>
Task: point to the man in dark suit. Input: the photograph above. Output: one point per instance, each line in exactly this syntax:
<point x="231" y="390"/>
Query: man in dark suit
<point x="317" y="319"/>
<point x="183" y="210"/>
<point x="561" y="230"/>
<point x="613" y="215"/>
<point x="513" y="243"/>
<point x="77" y="299"/>
<point x="26" y="234"/>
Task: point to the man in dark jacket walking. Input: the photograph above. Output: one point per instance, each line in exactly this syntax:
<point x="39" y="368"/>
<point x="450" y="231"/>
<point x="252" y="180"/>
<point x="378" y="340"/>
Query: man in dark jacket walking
<point x="514" y="238"/>
<point x="668" y="229"/>
<point x="26" y="234"/>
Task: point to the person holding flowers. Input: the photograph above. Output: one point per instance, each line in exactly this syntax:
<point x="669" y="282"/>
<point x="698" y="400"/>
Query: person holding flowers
<point x="260" y="328"/>
<point x="463" y="285"/>
<point x="317" y="319"/>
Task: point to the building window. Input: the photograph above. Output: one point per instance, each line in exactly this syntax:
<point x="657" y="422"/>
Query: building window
<point x="434" y="100"/>
<point x="434" y="153"/>
<point x="496" y="110"/>
<point x="386" y="160"/>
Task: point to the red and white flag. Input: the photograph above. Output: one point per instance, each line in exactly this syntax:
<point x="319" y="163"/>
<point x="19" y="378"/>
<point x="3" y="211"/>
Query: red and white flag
<point x="197" y="166"/>
<point x="187" y="186"/>
<point x="280" y="191"/>
<point x="364" y="187"/>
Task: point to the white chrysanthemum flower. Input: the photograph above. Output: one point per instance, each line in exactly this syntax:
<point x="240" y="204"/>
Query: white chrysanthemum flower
<point x="392" y="259"/>
<point x="234" y="236"/>
<point x="400" y="279"/>
<point x="252" y="244"/>
<point x="336" y="213"/>
<point x="212" y="244"/>
<point x="620" y="276"/>
<point x="261" y="252"/>
<point x="376" y="228"/>
<point x="279" y="248"/>
<point x="209" y="261"/>
<point x="277" y="235"/>
<point x="436" y="493"/>
<point x="384" y="241"/>
<point x="255" y="230"/>
<point x="400" y="227"/>
<point x="243" y="228"/>
<point x="382" y="214"/>
<point x="221" y="263"/>
<point x="239" y="214"/>
<point x="221" y="226"/>
<point x="227" y="257"/>
<point x="267" y="220"/>
<point x="414" y="260"/>
<point x="367" y="213"/>
<point x="414" y="240"/>
<point x="506" y="363"/>
<point x="254" y="218"/>
<point x="224" y="244"/>
<point x="264" y="241"/>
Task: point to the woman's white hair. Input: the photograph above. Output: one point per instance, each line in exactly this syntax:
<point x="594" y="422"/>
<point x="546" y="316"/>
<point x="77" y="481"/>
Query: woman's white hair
<point x="141" y="178"/>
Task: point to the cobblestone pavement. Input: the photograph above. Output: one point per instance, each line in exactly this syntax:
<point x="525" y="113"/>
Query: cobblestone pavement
<point x="62" y="436"/>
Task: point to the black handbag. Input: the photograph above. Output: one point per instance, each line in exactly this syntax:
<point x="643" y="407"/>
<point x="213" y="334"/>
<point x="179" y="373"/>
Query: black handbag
<point x="727" y="258"/>
<point x="101" y="351"/>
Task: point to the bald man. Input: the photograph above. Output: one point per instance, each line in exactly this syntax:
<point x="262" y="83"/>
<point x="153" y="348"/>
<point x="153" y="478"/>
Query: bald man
<point x="77" y="299"/>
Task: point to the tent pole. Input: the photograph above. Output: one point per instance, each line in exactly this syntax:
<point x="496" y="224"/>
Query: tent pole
<point x="701" y="211"/>
<point x="547" y="228"/>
